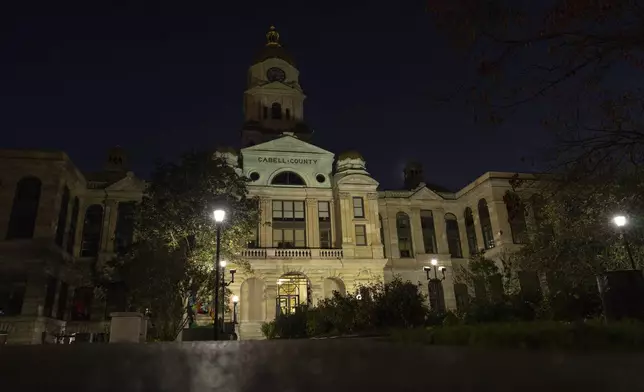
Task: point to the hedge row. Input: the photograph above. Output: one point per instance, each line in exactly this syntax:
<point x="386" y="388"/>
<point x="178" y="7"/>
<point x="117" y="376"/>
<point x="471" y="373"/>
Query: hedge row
<point x="531" y="335"/>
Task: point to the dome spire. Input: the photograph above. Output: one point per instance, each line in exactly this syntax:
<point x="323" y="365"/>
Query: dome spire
<point x="272" y="37"/>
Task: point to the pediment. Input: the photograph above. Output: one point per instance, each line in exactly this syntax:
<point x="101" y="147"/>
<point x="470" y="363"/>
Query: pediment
<point x="287" y="144"/>
<point x="424" y="193"/>
<point x="129" y="183"/>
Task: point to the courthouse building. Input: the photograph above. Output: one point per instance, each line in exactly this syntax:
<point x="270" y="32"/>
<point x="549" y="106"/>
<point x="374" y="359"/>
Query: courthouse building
<point x="325" y="226"/>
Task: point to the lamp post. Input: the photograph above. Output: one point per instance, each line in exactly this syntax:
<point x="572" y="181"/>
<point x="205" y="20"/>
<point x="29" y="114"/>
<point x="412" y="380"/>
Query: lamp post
<point x="223" y="264"/>
<point x="435" y="286"/>
<point x="219" y="215"/>
<point x="620" y="221"/>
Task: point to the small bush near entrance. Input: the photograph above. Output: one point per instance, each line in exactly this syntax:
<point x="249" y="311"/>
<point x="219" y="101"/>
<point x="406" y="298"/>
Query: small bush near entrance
<point x="531" y="335"/>
<point x="396" y="304"/>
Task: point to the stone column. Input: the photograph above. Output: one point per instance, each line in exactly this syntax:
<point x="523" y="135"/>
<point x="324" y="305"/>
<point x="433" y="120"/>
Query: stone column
<point x="312" y="226"/>
<point x="477" y="229"/>
<point x="82" y="206"/>
<point x="110" y="219"/>
<point x="373" y="229"/>
<point x="441" y="231"/>
<point x="500" y="224"/>
<point x="394" y="251"/>
<point x="386" y="240"/>
<point x="270" y="300"/>
<point x="416" y="231"/>
<point x="333" y="216"/>
<point x="462" y="232"/>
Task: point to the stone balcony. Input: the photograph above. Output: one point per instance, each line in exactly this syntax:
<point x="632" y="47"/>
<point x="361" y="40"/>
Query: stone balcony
<point x="302" y="253"/>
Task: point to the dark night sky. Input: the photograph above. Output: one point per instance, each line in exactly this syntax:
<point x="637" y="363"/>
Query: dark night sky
<point x="162" y="77"/>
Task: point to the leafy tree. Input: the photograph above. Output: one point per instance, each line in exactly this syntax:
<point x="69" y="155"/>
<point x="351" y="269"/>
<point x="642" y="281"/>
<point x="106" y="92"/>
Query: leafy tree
<point x="175" y="237"/>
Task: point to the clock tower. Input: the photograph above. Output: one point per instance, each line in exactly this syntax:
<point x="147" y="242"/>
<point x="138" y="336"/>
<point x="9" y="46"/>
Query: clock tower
<point x="273" y="100"/>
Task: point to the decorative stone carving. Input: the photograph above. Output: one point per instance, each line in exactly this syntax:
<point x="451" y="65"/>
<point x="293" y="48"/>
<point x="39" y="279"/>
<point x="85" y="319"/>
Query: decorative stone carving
<point x="344" y="195"/>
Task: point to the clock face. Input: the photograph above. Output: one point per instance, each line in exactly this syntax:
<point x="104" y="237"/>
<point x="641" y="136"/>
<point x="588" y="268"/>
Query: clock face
<point x="275" y="75"/>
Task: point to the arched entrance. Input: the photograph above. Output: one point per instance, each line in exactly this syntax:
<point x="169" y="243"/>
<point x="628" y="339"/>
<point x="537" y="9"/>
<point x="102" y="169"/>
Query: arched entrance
<point x="293" y="290"/>
<point x="252" y="306"/>
<point x="333" y="284"/>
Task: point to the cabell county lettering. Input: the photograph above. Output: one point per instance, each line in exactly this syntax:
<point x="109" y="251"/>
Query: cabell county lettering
<point x="291" y="161"/>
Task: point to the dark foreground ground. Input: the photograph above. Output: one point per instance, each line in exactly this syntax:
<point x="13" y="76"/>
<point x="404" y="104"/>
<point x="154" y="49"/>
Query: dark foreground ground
<point x="310" y="366"/>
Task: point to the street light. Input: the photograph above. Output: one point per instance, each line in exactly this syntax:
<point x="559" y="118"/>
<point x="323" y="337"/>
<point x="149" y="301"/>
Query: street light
<point x="223" y="264"/>
<point x="435" y="286"/>
<point x="620" y="221"/>
<point x="219" y="215"/>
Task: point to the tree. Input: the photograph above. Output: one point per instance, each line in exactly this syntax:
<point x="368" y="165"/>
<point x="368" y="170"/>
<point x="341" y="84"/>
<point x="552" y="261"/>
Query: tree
<point x="175" y="237"/>
<point x="572" y="238"/>
<point x="561" y="55"/>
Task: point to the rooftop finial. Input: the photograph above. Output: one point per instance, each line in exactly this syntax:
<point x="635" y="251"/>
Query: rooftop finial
<point x="272" y="37"/>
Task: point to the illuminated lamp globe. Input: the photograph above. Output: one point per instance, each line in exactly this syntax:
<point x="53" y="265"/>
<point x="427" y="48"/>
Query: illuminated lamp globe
<point x="219" y="215"/>
<point x="620" y="221"/>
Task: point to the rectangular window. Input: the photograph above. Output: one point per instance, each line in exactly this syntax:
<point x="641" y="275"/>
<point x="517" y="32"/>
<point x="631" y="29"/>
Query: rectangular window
<point x="288" y="210"/>
<point x="358" y="207"/>
<point x="289" y="224"/>
<point x="361" y="235"/>
<point x="289" y="238"/>
<point x="324" y="224"/>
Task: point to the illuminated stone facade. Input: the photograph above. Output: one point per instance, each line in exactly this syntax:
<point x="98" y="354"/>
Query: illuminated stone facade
<point x="324" y="224"/>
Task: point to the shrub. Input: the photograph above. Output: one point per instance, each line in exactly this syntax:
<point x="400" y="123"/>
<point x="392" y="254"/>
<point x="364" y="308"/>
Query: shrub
<point x="268" y="330"/>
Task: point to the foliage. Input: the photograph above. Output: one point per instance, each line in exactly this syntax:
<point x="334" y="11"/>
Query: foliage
<point x="396" y="304"/>
<point x="572" y="235"/>
<point x="626" y="335"/>
<point x="175" y="237"/>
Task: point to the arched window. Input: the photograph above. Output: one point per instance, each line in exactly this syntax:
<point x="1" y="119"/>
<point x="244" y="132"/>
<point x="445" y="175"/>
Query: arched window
<point x="429" y="234"/>
<point x="403" y="229"/>
<point x="486" y="225"/>
<point x="265" y="112"/>
<point x="382" y="235"/>
<point x="25" y="208"/>
<point x="288" y="178"/>
<point x="71" y="238"/>
<point x="92" y="230"/>
<point x="124" y="231"/>
<point x="516" y="217"/>
<point x="470" y="230"/>
<point x="287" y="114"/>
<point x="62" y="217"/>
<point x="453" y="236"/>
<point x="276" y="111"/>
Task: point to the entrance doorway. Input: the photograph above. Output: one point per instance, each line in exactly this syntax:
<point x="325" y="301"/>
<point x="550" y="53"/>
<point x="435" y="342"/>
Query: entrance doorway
<point x="293" y="290"/>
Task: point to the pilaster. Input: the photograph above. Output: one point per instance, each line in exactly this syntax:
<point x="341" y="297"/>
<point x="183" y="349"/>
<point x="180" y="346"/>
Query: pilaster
<point x="462" y="232"/>
<point x="265" y="223"/>
<point x="312" y="226"/>
<point x="334" y="217"/>
<point x="416" y="231"/>
<point x="441" y="230"/>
